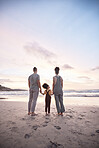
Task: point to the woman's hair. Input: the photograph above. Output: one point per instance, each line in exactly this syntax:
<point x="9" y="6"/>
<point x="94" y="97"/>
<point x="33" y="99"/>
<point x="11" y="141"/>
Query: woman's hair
<point x="57" y="70"/>
<point x="45" y="85"/>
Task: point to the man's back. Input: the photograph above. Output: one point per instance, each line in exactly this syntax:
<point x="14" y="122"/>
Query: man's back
<point x="34" y="81"/>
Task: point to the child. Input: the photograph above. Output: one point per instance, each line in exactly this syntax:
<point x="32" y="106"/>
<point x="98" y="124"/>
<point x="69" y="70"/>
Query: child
<point x="47" y="97"/>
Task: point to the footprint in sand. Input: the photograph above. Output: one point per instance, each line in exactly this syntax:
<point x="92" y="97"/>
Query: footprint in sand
<point x="26" y="136"/>
<point x="35" y="127"/>
<point x="82" y="115"/>
<point x="57" y="127"/>
<point x="13" y="123"/>
<point x="93" y="111"/>
<point x="44" y="125"/>
<point x="70" y="111"/>
<point x="80" y="118"/>
<point x="87" y="122"/>
<point x="23" y="119"/>
<point x="10" y="122"/>
<point x="32" y="118"/>
<point x="92" y="135"/>
<point x="76" y="132"/>
<point x="97" y="131"/>
<point x="69" y="116"/>
<point x="46" y="121"/>
<point x="54" y="145"/>
<point x="47" y="117"/>
<point x="14" y="129"/>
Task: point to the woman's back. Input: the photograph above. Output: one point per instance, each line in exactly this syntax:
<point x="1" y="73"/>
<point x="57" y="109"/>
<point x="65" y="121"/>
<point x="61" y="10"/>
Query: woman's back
<point x="58" y="85"/>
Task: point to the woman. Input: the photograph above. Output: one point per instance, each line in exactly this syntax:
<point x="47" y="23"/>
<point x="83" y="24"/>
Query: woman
<point x="58" y="92"/>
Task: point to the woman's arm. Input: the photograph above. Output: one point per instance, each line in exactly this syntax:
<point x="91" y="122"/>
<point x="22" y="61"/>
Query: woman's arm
<point x="62" y="82"/>
<point x="50" y="93"/>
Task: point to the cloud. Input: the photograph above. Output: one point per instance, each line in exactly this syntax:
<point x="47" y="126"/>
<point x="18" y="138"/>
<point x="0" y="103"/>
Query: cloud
<point x="66" y="66"/>
<point x="84" y="77"/>
<point x="96" y="68"/>
<point x="4" y="80"/>
<point x="36" y="50"/>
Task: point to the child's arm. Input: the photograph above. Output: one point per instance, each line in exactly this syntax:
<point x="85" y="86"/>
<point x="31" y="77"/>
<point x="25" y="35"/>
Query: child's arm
<point x="43" y="93"/>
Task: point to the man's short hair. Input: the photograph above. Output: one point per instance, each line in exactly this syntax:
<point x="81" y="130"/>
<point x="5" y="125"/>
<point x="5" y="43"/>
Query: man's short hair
<point x="34" y="69"/>
<point x="57" y="70"/>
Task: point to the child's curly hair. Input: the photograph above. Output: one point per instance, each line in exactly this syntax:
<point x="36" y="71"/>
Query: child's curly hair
<point x="45" y="85"/>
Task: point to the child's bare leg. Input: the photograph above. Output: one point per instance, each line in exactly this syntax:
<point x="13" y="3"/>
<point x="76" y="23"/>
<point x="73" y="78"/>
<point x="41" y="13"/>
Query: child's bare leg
<point x="46" y="113"/>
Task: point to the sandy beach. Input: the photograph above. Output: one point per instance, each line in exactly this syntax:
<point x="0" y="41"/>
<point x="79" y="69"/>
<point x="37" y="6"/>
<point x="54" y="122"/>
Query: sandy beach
<point x="49" y="53"/>
<point x="78" y="128"/>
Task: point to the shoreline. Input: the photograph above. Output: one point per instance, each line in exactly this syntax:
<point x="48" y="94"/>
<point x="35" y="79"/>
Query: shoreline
<point x="79" y="127"/>
<point x="73" y="101"/>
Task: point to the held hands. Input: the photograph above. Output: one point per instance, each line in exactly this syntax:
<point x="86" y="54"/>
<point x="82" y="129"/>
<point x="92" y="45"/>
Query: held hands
<point x="52" y="93"/>
<point x="41" y="92"/>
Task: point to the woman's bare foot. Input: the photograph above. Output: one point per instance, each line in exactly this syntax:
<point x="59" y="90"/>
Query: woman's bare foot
<point x="61" y="114"/>
<point x="33" y="114"/>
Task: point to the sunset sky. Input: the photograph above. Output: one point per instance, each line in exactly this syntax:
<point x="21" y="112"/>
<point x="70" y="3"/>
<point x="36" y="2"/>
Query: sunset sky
<point x="46" y="34"/>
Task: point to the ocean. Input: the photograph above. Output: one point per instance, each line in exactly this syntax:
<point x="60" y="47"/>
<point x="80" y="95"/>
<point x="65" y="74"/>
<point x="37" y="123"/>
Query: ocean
<point x="71" y="97"/>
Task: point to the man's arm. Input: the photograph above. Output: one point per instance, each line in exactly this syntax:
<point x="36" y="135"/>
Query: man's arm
<point x="43" y="93"/>
<point x="29" y="83"/>
<point x="39" y="85"/>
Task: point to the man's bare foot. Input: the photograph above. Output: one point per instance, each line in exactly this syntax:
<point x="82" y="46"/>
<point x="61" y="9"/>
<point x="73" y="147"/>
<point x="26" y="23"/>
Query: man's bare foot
<point x="29" y="113"/>
<point x="59" y="114"/>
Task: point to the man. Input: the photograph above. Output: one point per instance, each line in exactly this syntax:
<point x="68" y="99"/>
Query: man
<point x="34" y="85"/>
<point x="58" y="92"/>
